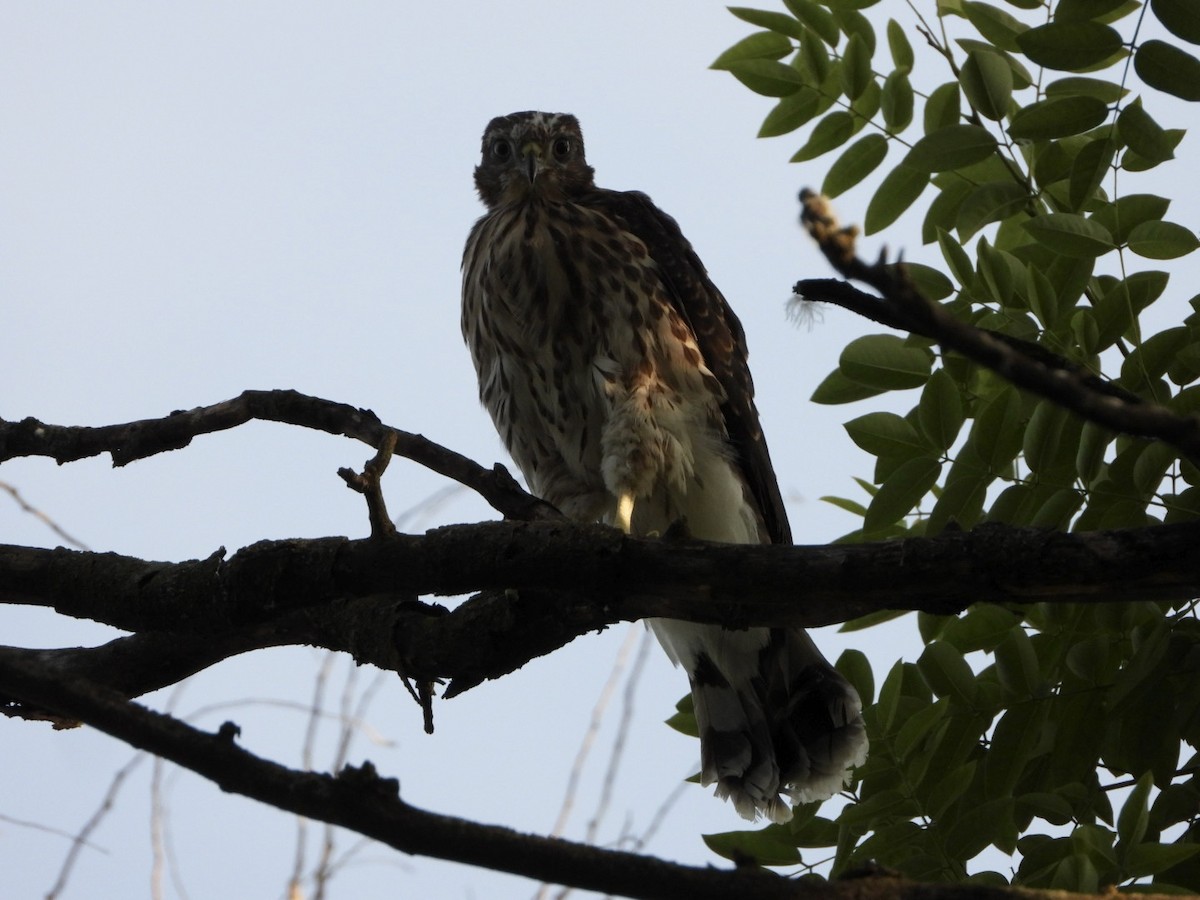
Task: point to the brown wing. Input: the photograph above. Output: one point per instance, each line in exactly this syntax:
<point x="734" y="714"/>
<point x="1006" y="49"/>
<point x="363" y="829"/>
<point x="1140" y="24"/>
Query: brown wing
<point x="719" y="336"/>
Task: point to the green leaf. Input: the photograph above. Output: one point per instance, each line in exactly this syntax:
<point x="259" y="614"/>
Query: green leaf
<point x="836" y="388"/>
<point x="760" y="45"/>
<point x="1143" y="135"/>
<point x="1042" y="435"/>
<point x="1020" y="75"/>
<point x="1175" y="803"/>
<point x="979" y="827"/>
<point x="897" y="101"/>
<point x="951" y="147"/>
<point x="772" y="21"/>
<point x="1084" y="10"/>
<point x="982" y="627"/>
<point x="855" y="667"/>
<point x="1058" y="117"/>
<point x="767" y="77"/>
<point x="886" y="434"/>
<point x="901" y="49"/>
<point x="1132" y="161"/>
<point x="816" y="832"/>
<point x="857" y="161"/>
<point x="896" y="193"/>
<point x="956" y="258"/>
<point x="1070" y="46"/>
<point x="1150" y="859"/>
<point x="870" y="620"/>
<point x="961" y="501"/>
<point x="684" y="719"/>
<point x="1126" y="213"/>
<point x="856" y="67"/>
<point x="949" y="789"/>
<point x="791" y="112"/>
<point x="832" y="131"/>
<point x="989" y="203"/>
<point x="1091" y="165"/>
<point x="852" y="22"/>
<point x="943" y="209"/>
<point x="1135" y="813"/>
<point x="903" y="490"/>
<point x="1017" y="664"/>
<point x="999" y="271"/>
<point x="998" y="430"/>
<point x="885" y="361"/>
<point x="1016" y="741"/>
<point x="1169" y="69"/>
<point x="772" y="846"/>
<point x="1178" y="17"/>
<point x="940" y="410"/>
<point x="1093" y="442"/>
<point x="943" y="108"/>
<point x="887" y="803"/>
<point x="1051" y="807"/>
<point x="1071" y="235"/>
<point x="932" y="283"/>
<point x="1185" y="368"/>
<point x="850" y="506"/>
<point x="1081" y="86"/>
<point x="1058" y="510"/>
<point x="987" y="81"/>
<point x="817" y="18"/>
<point x="866" y="105"/>
<point x="947" y="672"/>
<point x="995" y="24"/>
<point x="1043" y="299"/>
<point x="1155" y="355"/>
<point x="1162" y="240"/>
<point x="1138" y="291"/>
<point x="814" y="57"/>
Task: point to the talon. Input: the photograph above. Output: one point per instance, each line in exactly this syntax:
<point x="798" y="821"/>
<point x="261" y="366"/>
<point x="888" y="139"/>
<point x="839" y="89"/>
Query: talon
<point x="624" y="519"/>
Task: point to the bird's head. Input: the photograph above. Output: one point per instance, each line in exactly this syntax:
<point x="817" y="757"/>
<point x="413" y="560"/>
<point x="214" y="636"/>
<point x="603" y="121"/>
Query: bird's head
<point x="532" y="154"/>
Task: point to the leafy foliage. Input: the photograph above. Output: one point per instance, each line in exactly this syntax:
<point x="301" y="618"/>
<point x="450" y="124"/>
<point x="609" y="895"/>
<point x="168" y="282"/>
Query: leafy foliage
<point x="1016" y="728"/>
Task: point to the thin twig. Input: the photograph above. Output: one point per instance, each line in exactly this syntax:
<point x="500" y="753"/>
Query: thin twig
<point x="316" y="712"/>
<point x="660" y="815"/>
<point x="618" y="749"/>
<point x="82" y="838"/>
<point x="46" y="519"/>
<point x="589" y="736"/>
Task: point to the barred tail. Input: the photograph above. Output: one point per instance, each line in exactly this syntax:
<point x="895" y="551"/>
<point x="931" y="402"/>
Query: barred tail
<point x="775" y="717"/>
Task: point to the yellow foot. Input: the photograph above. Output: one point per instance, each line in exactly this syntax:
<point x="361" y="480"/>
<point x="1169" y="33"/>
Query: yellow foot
<point x="624" y="519"/>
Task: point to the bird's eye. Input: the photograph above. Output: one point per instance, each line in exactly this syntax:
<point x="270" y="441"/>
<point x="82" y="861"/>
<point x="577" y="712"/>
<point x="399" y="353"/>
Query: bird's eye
<point x="501" y="149"/>
<point x="562" y="148"/>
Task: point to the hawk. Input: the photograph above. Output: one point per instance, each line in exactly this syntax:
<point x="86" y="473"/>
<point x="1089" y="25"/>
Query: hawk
<point x="616" y="374"/>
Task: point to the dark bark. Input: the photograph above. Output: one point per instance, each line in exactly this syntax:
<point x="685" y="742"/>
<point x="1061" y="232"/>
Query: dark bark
<point x="360" y="800"/>
<point x="543" y="584"/>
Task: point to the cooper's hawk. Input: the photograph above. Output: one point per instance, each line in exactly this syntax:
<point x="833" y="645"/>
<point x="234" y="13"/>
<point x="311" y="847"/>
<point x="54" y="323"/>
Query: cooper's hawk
<point x="616" y="375"/>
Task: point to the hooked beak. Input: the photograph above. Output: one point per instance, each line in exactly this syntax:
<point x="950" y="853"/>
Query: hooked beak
<point x="531" y="155"/>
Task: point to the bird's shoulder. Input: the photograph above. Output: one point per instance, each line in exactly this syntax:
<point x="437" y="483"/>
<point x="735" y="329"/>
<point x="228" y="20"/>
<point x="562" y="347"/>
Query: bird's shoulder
<point x="718" y="333"/>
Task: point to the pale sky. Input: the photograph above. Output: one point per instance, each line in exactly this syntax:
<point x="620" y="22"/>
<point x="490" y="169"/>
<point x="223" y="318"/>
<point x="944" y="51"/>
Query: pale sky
<point x="201" y="198"/>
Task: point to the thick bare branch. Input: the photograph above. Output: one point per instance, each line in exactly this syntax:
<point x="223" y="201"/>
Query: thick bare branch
<point x="360" y="800"/>
<point x="361" y="596"/>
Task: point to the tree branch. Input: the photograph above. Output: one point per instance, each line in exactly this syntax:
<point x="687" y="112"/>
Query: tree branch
<point x="360" y="800"/>
<point x="132" y="441"/>
<point x="1029" y="366"/>
<point x="361" y="596"/>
